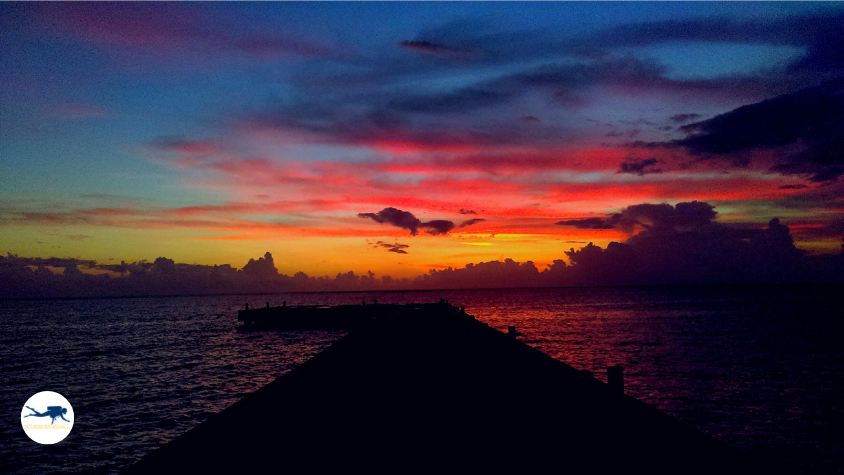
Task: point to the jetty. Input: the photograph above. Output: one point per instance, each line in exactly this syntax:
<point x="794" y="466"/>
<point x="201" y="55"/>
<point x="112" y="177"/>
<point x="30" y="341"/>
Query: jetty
<point x="428" y="388"/>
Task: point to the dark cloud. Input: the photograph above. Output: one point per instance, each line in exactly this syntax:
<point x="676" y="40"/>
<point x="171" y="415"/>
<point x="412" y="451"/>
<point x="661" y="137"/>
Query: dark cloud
<point x="495" y="274"/>
<point x="262" y="268"/>
<point x="58" y="262"/>
<point x="710" y="254"/>
<point x="682" y="216"/>
<point x="639" y="167"/>
<point x="600" y="60"/>
<point x="796" y="30"/>
<point x="121" y="268"/>
<point x="810" y="231"/>
<point x="395" y="217"/>
<point x="471" y="222"/>
<point x="374" y="110"/>
<point x="467" y="211"/>
<point x="825" y="51"/>
<point x="438" y="226"/>
<point x="827" y="174"/>
<point x="588" y="223"/>
<point x="792" y="187"/>
<point x="802" y="133"/>
<point x="392" y="247"/>
<point x="826" y="197"/>
<point x="564" y="77"/>
<point x="435" y="49"/>
<point x="393" y="122"/>
<point x="683" y="118"/>
<point x="166" y="277"/>
<point x="406" y="220"/>
<point x="811" y="31"/>
<point x="770" y="123"/>
<point x="567" y="84"/>
<point x="370" y="113"/>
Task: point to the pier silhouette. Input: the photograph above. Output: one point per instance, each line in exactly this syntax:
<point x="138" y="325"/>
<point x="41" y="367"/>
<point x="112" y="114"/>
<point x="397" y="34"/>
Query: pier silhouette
<point x="429" y="388"/>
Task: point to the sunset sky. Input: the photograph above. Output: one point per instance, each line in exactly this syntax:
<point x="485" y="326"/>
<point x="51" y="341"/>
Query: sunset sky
<point x="401" y="137"/>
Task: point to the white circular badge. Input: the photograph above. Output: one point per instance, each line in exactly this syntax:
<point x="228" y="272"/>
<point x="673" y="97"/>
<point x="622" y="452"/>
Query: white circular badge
<point x="47" y="417"/>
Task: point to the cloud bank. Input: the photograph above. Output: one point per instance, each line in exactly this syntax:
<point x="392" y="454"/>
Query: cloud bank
<point x="674" y="245"/>
<point x="801" y="133"/>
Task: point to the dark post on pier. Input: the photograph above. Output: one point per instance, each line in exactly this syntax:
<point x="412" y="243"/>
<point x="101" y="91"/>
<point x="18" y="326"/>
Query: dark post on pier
<point x="428" y="388"/>
<point x="615" y="379"/>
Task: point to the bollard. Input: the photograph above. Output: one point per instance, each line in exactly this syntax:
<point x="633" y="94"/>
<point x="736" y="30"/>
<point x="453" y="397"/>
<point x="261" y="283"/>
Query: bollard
<point x="511" y="332"/>
<point x="284" y="303"/>
<point x="247" y="306"/>
<point x="268" y="305"/>
<point x="615" y="379"/>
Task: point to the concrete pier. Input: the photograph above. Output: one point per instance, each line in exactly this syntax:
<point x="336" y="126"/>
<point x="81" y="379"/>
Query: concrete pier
<point x="435" y="390"/>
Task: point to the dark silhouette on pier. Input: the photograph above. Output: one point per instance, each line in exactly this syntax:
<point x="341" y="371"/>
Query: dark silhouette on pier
<point x="429" y="388"/>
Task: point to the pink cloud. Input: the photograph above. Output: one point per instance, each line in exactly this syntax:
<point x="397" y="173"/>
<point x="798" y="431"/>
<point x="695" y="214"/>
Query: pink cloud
<point x="173" y="28"/>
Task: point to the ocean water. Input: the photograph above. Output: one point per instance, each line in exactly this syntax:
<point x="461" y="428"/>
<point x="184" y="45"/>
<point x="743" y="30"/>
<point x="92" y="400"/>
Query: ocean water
<point x="761" y="368"/>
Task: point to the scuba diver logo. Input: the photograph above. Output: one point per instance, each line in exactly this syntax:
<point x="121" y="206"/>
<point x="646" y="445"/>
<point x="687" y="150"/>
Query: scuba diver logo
<point x="47" y="404"/>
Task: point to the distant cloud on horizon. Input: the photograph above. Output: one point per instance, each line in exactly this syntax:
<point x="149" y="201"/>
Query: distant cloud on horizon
<point x="679" y="244"/>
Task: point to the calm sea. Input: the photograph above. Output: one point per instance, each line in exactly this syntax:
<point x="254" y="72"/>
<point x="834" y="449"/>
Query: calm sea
<point x="757" y="367"/>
